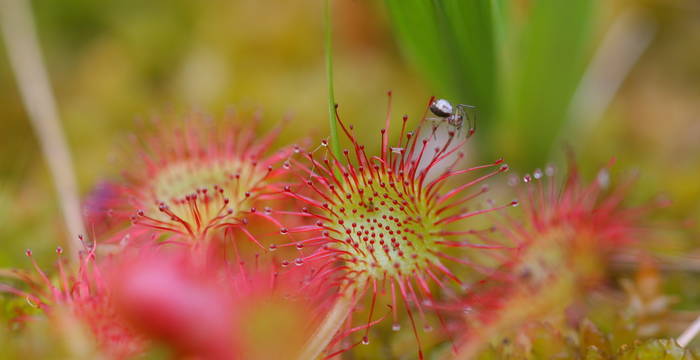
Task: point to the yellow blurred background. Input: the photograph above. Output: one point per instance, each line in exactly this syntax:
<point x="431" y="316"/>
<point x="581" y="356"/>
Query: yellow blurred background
<point x="115" y="63"/>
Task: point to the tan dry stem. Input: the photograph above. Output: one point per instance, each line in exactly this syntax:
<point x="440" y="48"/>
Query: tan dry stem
<point x="689" y="334"/>
<point x="328" y="328"/>
<point x="18" y="30"/>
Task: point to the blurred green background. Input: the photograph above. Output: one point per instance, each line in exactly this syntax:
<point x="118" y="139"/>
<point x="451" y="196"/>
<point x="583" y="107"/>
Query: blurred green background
<point x="544" y="74"/>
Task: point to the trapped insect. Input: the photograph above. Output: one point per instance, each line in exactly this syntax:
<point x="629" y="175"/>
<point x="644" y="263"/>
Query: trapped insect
<point x="456" y="116"/>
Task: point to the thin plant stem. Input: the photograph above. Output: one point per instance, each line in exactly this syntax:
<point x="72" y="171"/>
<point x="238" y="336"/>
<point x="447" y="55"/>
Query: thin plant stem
<point x="343" y="306"/>
<point x="25" y="57"/>
<point x="329" y="327"/>
<point x="333" y="125"/>
<point x="689" y="334"/>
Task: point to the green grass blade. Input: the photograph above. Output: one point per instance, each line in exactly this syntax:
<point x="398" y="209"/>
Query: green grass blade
<point x="416" y="26"/>
<point x="519" y="63"/>
<point x="332" y="123"/>
<point x="546" y="66"/>
<point x="470" y="31"/>
<point x="452" y="42"/>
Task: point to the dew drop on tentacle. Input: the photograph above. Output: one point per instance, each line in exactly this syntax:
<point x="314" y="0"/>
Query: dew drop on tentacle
<point x="537" y="174"/>
<point x="549" y="170"/>
<point x="513" y="180"/>
<point x="603" y="178"/>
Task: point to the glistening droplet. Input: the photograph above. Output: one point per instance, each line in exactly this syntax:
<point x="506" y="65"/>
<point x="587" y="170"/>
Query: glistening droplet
<point x="537" y="174"/>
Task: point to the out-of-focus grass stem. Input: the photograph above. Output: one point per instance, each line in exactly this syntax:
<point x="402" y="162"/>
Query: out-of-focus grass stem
<point x="333" y="125"/>
<point x="25" y="57"/>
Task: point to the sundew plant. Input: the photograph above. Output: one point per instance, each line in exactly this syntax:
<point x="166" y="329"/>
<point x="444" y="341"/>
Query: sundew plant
<point x="272" y="200"/>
